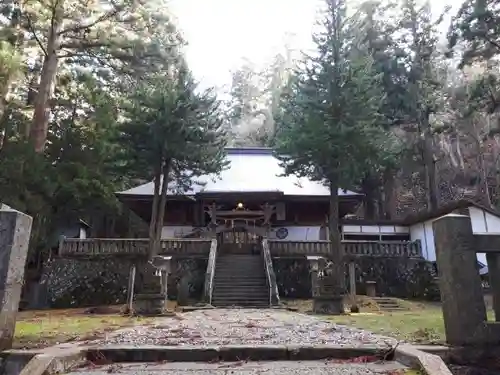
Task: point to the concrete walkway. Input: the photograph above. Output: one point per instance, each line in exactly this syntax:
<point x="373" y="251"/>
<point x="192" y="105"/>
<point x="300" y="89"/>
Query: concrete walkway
<point x="248" y="368"/>
<point x="243" y="326"/>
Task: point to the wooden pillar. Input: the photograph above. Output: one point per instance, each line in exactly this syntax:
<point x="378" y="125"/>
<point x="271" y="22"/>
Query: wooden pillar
<point x="131" y="285"/>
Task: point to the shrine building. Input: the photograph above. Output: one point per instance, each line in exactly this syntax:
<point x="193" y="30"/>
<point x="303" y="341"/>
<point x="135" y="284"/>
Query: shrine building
<point x="251" y="214"/>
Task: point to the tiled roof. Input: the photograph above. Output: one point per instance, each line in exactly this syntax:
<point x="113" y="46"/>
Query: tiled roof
<point x="250" y="170"/>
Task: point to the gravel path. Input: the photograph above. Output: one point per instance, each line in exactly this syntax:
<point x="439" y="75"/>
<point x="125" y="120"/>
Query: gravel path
<point x="249" y="368"/>
<point x="244" y="326"/>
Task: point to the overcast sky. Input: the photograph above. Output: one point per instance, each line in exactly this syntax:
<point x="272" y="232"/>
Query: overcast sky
<point x="221" y="33"/>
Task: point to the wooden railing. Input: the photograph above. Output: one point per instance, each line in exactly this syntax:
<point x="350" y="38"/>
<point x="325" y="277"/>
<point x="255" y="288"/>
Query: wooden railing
<point x="209" y="275"/>
<point x="351" y="248"/>
<point x="133" y="247"/>
<point x="274" y="297"/>
<point x="383" y="249"/>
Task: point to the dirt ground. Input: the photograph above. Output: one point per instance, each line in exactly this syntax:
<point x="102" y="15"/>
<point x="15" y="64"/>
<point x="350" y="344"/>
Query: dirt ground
<point x="42" y="328"/>
<point x="419" y="323"/>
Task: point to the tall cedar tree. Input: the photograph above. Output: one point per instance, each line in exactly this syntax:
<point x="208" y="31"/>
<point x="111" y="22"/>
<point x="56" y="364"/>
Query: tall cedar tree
<point x="376" y="28"/>
<point x="476" y="30"/>
<point x="476" y="27"/>
<point x="173" y="134"/>
<point x="104" y="35"/>
<point x="327" y="126"/>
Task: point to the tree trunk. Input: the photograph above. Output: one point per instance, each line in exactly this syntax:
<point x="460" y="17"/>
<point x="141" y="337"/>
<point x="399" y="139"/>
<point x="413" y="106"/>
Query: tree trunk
<point x="154" y="212"/>
<point x="159" y="204"/>
<point x="4" y="90"/>
<point x="369" y="189"/>
<point x="389" y="194"/>
<point x="484" y="176"/>
<point x="496" y="165"/>
<point x="163" y="203"/>
<point x="430" y="166"/>
<point x="335" y="249"/>
<point x="39" y="125"/>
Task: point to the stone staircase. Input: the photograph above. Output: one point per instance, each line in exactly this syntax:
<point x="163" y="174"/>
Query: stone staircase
<point x="388" y="304"/>
<point x="240" y="280"/>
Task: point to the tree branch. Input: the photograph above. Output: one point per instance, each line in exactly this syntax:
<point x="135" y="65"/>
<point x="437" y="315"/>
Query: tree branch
<point x="32" y="29"/>
<point x="494" y="43"/>
<point x="102" y="18"/>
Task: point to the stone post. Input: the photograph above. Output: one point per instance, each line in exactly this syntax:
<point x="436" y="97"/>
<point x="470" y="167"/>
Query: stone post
<point x="131" y="286"/>
<point x="462" y="299"/>
<point x="352" y="281"/>
<point x="15" y="229"/>
<point x="163" y="265"/>
<point x="493" y="260"/>
<point x="314" y="267"/>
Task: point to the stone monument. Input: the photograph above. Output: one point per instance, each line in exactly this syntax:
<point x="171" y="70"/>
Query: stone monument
<point x="153" y="299"/>
<point x="464" y="310"/>
<point x="15" y="230"/>
<point x="327" y="293"/>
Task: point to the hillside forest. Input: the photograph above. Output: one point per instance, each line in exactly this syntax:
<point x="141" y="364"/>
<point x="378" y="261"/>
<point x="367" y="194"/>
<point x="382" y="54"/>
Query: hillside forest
<point x="395" y="102"/>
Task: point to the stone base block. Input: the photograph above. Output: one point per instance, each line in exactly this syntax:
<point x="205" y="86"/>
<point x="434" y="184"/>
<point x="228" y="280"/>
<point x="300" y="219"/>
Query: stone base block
<point x="328" y="305"/>
<point x="150" y="304"/>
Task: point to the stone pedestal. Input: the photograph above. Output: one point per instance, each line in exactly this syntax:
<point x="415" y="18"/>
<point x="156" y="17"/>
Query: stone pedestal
<point x="329" y="299"/>
<point x="15" y="229"/>
<point x="149" y="304"/>
<point x="371" y="288"/>
<point x="328" y="305"/>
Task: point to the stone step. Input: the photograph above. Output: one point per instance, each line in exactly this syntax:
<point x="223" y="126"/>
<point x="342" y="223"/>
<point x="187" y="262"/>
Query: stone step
<point x="389" y="304"/>
<point x="251" y="305"/>
<point x="257" y="270"/>
<point x="240" y="280"/>
<point x="250" y="281"/>
<point x="257" y="304"/>
<point x="240" y="291"/>
<point x="384" y="299"/>
<point x="239" y="286"/>
<point x="240" y="302"/>
<point x="240" y="276"/>
<point x="239" y="267"/>
<point x="237" y="298"/>
<point x="242" y="287"/>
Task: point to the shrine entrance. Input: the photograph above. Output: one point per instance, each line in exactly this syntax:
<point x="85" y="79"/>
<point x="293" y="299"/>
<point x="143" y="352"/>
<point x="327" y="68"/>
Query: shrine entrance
<point x="240" y="230"/>
<point x="238" y="240"/>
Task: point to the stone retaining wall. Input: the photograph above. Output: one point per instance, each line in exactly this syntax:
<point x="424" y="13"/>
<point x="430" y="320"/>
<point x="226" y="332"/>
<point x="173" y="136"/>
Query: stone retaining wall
<point x="394" y="277"/>
<point x="77" y="283"/>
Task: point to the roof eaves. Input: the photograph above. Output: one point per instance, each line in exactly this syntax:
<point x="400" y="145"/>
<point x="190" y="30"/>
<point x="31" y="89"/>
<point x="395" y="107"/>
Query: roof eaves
<point x="445" y="210"/>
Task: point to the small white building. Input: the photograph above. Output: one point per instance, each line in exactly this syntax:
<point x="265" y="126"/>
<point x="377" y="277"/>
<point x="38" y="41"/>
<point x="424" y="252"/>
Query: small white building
<point x="484" y="221"/>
